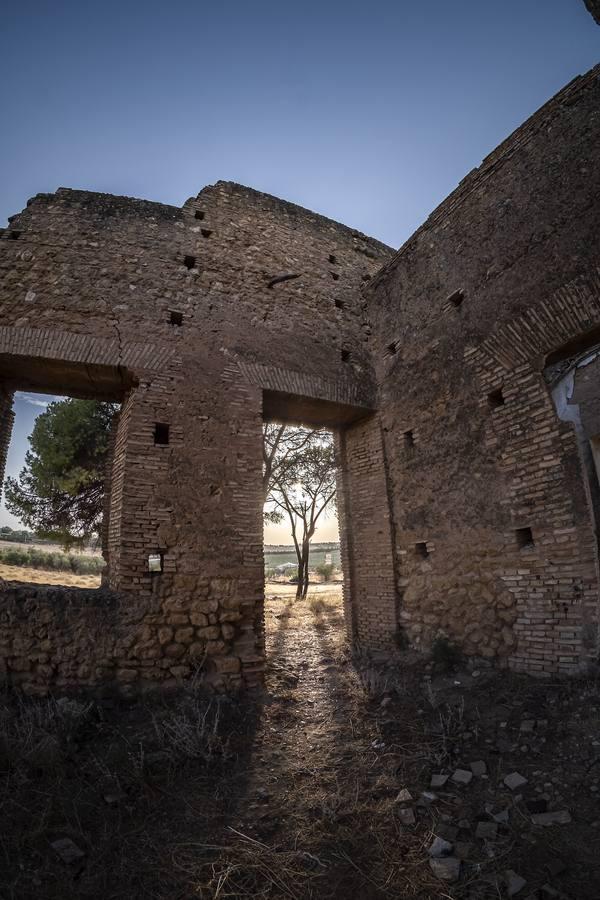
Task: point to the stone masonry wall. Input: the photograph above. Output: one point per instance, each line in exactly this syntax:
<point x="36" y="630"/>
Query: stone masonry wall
<point x="492" y="521"/>
<point x="468" y="495"/>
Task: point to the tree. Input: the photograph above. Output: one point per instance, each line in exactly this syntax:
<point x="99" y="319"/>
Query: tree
<point x="301" y="487"/>
<point x="281" y="445"/>
<point x="59" y="493"/>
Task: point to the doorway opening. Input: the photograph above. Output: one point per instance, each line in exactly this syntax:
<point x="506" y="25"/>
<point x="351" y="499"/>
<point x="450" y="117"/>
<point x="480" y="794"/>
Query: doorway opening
<point x="303" y="560"/>
<point x="303" y="597"/>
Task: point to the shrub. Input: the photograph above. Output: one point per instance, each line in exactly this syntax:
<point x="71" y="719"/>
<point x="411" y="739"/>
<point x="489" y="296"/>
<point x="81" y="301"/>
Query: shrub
<point x="325" y="570"/>
<point x="34" y="558"/>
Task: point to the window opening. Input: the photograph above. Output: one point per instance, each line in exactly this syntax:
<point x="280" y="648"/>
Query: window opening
<point x="496" y="399"/>
<point x="524" y="538"/>
<point x="155" y="563"/>
<point x="161" y="433"/>
<point x="456" y="299"/>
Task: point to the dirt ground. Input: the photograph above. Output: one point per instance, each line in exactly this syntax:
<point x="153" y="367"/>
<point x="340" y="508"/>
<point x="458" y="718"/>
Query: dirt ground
<point x="317" y="788"/>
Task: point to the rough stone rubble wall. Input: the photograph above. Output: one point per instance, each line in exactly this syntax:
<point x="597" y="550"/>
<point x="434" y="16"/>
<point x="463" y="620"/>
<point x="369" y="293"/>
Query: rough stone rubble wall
<point x="176" y="313"/>
<point x="476" y="451"/>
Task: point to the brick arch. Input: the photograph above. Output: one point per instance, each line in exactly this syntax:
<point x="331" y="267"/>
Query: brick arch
<point x="57" y="344"/>
<point x="545" y="477"/>
<point x="531" y="337"/>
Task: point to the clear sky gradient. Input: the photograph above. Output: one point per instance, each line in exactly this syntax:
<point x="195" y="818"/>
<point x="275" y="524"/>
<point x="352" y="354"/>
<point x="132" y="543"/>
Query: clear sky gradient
<point x="369" y="113"/>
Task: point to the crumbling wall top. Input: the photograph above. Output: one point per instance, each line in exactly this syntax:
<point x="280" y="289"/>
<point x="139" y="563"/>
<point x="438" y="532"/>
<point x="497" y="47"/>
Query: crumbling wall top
<point x="498" y="158"/>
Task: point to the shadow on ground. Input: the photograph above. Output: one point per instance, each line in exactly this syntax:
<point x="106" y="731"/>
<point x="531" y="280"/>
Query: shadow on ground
<point x="294" y="794"/>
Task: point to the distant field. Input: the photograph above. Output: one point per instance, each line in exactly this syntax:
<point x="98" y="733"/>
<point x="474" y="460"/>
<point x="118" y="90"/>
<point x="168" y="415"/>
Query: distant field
<point x="274" y="590"/>
<point x="272" y="560"/>
<point x="44" y="576"/>
<point x="47" y="548"/>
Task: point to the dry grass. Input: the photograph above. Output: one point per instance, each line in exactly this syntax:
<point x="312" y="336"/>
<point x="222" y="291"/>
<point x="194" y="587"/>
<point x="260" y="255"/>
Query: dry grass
<point x="290" y="794"/>
<point x="43" y="576"/>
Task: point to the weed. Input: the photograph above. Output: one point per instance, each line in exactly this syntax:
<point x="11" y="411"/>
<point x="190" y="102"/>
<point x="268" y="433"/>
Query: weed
<point x="35" y="732"/>
<point x="446" y="656"/>
<point x="192" y="730"/>
<point x="375" y="681"/>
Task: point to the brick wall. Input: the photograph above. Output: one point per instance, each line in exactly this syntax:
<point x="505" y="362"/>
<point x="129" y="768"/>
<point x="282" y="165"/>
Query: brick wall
<point x="465" y="317"/>
<point x="189" y="318"/>
<point x="367" y="551"/>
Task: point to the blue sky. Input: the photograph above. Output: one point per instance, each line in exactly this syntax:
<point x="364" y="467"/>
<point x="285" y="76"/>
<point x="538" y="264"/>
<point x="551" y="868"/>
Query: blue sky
<point x="369" y="113"/>
<point x="27" y="408"/>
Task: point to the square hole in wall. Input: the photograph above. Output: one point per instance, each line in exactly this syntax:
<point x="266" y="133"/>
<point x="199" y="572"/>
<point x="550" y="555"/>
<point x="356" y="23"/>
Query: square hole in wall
<point x="189" y="262"/>
<point x="421" y="549"/>
<point x="205" y="232"/>
<point x="345" y="354"/>
<point x="456" y="299"/>
<point x="175" y="318"/>
<point x="335" y="276"/>
<point x="199" y="214"/>
<point x="524" y="538"/>
<point x="496" y="399"/>
<point x="409" y="440"/>
<point x="161" y="434"/>
<point x="15" y="235"/>
<point x="332" y="259"/>
<point x="155" y="563"/>
<point x="339" y="304"/>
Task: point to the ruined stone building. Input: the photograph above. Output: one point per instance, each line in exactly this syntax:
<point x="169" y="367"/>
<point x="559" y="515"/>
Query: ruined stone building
<point x="461" y="375"/>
